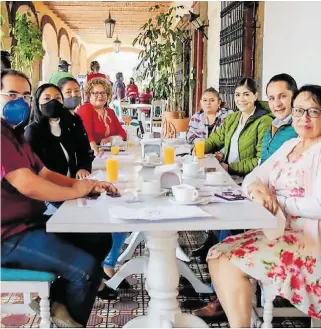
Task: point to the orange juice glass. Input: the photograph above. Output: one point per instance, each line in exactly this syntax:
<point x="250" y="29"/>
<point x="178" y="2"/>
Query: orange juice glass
<point x="200" y="149"/>
<point x="114" y="150"/>
<point x="112" y="170"/>
<point x="169" y="155"/>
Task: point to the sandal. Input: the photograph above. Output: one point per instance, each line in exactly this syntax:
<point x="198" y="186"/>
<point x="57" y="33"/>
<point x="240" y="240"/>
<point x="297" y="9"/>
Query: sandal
<point x="59" y="315"/>
<point x="212" y="309"/>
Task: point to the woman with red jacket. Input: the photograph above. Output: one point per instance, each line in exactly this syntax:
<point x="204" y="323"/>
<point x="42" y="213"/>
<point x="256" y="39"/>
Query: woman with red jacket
<point x="100" y="122"/>
<point x="132" y="90"/>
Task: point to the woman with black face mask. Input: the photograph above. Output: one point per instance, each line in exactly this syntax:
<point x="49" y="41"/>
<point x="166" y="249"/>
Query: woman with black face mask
<point x="72" y="100"/>
<point x="51" y="134"/>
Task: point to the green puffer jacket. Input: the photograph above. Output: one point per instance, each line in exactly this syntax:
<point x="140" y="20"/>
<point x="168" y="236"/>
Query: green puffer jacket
<point x="250" y="140"/>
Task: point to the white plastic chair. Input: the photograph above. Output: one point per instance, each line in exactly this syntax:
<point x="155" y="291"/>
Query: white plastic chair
<point x="268" y="311"/>
<point x="161" y="104"/>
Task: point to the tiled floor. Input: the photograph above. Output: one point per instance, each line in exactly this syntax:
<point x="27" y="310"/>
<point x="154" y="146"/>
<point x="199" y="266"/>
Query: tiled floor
<point x="134" y="302"/>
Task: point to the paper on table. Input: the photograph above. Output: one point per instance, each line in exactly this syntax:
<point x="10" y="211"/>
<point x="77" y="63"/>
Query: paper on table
<point x="157" y="213"/>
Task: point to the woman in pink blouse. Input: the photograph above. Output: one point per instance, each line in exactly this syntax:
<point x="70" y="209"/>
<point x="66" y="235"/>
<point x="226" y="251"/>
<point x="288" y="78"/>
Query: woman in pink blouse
<point x="288" y="184"/>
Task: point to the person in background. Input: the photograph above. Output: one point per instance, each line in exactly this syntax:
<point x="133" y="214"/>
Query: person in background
<point x="100" y="122"/>
<point x="5" y="61"/>
<point x="94" y="68"/>
<point x="209" y="118"/>
<point x="146" y="97"/>
<point x="279" y="90"/>
<point x="288" y="185"/>
<point x="119" y="87"/>
<point x="62" y="72"/>
<point x="132" y="91"/>
<point x="72" y="100"/>
<point x="109" y="81"/>
<point x="26" y="183"/>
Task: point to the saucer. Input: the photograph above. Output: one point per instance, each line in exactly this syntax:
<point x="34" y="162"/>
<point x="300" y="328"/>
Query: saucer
<point x="199" y="174"/>
<point x="151" y="164"/>
<point x="217" y="184"/>
<point x="189" y="203"/>
<point x="140" y="195"/>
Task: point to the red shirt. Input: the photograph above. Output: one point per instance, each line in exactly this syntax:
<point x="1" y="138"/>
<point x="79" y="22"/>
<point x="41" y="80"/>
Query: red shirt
<point x="95" y="75"/>
<point x="145" y="98"/>
<point x="96" y="129"/>
<point x="132" y="90"/>
<point x="18" y="212"/>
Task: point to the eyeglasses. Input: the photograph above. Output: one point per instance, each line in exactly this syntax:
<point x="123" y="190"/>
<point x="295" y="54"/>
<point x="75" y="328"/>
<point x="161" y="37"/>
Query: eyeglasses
<point x="14" y="96"/>
<point x="311" y="112"/>
<point x="97" y="93"/>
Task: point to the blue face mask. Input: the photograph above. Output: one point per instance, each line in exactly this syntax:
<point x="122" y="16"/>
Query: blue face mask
<point x="16" y="112"/>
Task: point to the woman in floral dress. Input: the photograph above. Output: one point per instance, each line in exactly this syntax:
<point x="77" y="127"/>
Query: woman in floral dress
<point x="289" y="182"/>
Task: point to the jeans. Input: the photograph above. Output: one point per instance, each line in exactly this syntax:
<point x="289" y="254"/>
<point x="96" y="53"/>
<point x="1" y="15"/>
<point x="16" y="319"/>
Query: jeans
<point x="75" y="258"/>
<point x="118" y="242"/>
<point x="118" y="238"/>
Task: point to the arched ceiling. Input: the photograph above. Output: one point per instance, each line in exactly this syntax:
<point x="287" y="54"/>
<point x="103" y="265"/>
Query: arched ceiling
<point x="86" y="18"/>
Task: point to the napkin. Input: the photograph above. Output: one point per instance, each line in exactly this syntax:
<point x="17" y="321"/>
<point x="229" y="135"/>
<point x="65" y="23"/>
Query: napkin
<point x="157" y="213"/>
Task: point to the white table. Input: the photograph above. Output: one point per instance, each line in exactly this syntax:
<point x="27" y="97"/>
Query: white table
<point x="137" y="107"/>
<point x="162" y="238"/>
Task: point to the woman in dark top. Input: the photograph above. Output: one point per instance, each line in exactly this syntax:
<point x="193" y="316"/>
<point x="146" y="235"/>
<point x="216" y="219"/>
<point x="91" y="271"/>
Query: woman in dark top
<point x="51" y="136"/>
<point x="72" y="100"/>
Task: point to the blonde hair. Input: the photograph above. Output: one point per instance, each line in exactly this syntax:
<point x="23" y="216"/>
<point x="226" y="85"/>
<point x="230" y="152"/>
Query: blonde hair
<point x="98" y="81"/>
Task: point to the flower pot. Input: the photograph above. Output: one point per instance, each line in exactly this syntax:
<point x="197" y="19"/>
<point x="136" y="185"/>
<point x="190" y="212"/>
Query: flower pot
<point x="172" y="125"/>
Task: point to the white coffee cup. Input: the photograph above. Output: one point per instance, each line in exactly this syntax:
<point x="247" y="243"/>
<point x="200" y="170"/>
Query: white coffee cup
<point x="185" y="193"/>
<point x="190" y="169"/>
<point x="216" y="178"/>
<point x="150" y="187"/>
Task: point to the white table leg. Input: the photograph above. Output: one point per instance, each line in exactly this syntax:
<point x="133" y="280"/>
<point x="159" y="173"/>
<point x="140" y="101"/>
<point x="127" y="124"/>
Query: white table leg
<point x="136" y="239"/>
<point x="134" y="266"/>
<point x="163" y="277"/>
<point x="180" y="254"/>
<point x="197" y="284"/>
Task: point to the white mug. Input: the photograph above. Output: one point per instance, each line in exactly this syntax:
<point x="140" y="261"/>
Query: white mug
<point x="185" y="193"/>
<point x="216" y="178"/>
<point x="150" y="187"/>
<point x="190" y="169"/>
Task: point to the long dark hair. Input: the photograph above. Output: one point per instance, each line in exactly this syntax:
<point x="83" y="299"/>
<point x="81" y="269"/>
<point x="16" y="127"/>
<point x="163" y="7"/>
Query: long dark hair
<point x="36" y="112"/>
<point x="63" y="81"/>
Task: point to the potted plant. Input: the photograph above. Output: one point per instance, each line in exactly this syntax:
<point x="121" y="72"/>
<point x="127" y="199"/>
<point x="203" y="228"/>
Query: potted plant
<point x="158" y="58"/>
<point x="28" y="45"/>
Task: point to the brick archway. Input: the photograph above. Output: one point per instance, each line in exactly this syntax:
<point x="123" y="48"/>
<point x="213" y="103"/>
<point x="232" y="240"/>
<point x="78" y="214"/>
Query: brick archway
<point x="62" y="32"/>
<point x="48" y="20"/>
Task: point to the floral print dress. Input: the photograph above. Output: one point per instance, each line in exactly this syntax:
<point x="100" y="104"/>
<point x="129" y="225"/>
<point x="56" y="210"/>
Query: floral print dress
<point x="282" y="261"/>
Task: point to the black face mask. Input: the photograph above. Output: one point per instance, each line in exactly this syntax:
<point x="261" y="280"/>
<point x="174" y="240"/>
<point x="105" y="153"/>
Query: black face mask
<point x="72" y="102"/>
<point x="52" y="109"/>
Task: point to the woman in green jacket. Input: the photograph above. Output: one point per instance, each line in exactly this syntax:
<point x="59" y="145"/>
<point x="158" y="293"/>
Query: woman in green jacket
<point x="242" y="132"/>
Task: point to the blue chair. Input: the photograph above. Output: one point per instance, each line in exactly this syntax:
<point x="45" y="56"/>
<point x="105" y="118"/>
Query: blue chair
<point x="27" y="282"/>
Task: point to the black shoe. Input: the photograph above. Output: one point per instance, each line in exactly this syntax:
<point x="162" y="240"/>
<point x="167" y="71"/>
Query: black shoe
<point x="203" y="250"/>
<point x="107" y="293"/>
<point x="123" y="285"/>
